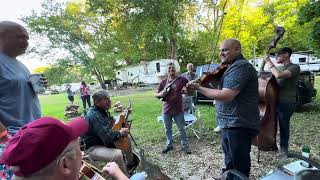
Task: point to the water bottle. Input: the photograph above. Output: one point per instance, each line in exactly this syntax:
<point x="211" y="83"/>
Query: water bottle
<point x="139" y="176"/>
<point x="305" y="153"/>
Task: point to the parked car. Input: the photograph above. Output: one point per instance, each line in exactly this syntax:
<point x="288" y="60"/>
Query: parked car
<point x="305" y="88"/>
<point x="306" y="92"/>
<point x="54" y="91"/>
<point x="199" y="71"/>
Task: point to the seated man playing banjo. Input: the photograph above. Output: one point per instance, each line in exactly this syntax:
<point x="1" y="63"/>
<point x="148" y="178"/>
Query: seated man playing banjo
<point x="100" y="138"/>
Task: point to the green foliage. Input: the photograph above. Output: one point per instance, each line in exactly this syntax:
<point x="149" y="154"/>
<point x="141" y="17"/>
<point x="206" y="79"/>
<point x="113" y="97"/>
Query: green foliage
<point x="309" y="15"/>
<point x="102" y="36"/>
<point x="143" y="30"/>
<point x="64" y="72"/>
<point x="71" y="28"/>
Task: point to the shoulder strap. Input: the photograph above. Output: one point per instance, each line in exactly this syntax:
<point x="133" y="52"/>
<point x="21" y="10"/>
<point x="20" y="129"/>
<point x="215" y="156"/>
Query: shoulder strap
<point x="173" y="81"/>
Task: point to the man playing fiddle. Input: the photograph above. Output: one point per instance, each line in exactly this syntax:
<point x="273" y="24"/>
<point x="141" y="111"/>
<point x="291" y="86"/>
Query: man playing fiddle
<point x="100" y="138"/>
<point x="237" y="110"/>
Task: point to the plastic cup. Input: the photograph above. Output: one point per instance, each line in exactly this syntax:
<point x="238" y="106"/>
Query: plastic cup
<point x="36" y="83"/>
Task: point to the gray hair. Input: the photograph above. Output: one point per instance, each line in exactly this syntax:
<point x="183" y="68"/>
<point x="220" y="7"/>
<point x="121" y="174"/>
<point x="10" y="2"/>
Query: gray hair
<point x="98" y="95"/>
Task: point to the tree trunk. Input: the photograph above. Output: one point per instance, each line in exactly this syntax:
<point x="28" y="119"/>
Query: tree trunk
<point x="173" y="48"/>
<point x="99" y="77"/>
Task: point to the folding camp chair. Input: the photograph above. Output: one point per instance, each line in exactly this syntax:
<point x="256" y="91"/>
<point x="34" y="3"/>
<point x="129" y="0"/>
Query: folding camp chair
<point x="192" y="117"/>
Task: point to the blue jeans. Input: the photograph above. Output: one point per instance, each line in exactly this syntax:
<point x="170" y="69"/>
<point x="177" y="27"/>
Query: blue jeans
<point x="236" y="144"/>
<point x="284" y="113"/>
<point x="179" y="120"/>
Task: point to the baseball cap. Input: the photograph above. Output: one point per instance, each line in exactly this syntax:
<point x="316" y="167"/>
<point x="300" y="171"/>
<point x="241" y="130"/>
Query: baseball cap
<point x="40" y="142"/>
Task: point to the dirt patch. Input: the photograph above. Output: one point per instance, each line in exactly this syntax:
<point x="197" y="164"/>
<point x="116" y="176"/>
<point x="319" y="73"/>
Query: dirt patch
<point x="206" y="160"/>
<point x="207" y="156"/>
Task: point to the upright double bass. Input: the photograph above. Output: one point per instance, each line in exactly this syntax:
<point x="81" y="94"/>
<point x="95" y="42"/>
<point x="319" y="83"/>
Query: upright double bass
<point x="268" y="96"/>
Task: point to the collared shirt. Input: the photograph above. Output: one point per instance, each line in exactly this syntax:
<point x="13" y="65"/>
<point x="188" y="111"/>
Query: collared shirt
<point x="190" y="76"/>
<point x="173" y="104"/>
<point x="100" y="128"/>
<point x="243" y="110"/>
<point x="19" y="104"/>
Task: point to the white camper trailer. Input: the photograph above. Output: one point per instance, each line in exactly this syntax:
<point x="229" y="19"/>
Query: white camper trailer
<point x="305" y="60"/>
<point x="151" y="72"/>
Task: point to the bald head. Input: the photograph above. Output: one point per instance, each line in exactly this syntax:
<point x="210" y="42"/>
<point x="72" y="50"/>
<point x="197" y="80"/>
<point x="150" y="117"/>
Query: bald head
<point x="233" y="42"/>
<point x="229" y="49"/>
<point x="13" y="38"/>
<point x="7" y="26"/>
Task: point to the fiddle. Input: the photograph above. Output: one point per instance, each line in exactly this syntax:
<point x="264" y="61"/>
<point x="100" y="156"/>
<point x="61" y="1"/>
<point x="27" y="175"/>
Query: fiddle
<point x="207" y="79"/>
<point x="210" y="79"/>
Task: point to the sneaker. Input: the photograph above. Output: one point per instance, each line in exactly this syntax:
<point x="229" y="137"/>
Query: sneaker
<point x="217" y="129"/>
<point x="217" y="177"/>
<point x="186" y="150"/>
<point x="167" y="149"/>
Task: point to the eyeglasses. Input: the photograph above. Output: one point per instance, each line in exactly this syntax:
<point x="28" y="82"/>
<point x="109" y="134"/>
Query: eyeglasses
<point x="173" y="68"/>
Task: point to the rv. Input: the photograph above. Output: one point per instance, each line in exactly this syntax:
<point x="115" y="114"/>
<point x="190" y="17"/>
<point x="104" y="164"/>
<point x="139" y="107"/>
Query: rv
<point x="305" y="60"/>
<point x="151" y="72"/>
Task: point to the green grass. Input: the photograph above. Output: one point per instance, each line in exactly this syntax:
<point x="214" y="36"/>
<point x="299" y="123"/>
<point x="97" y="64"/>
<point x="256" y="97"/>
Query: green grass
<point x="145" y="109"/>
<point x="53" y="105"/>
